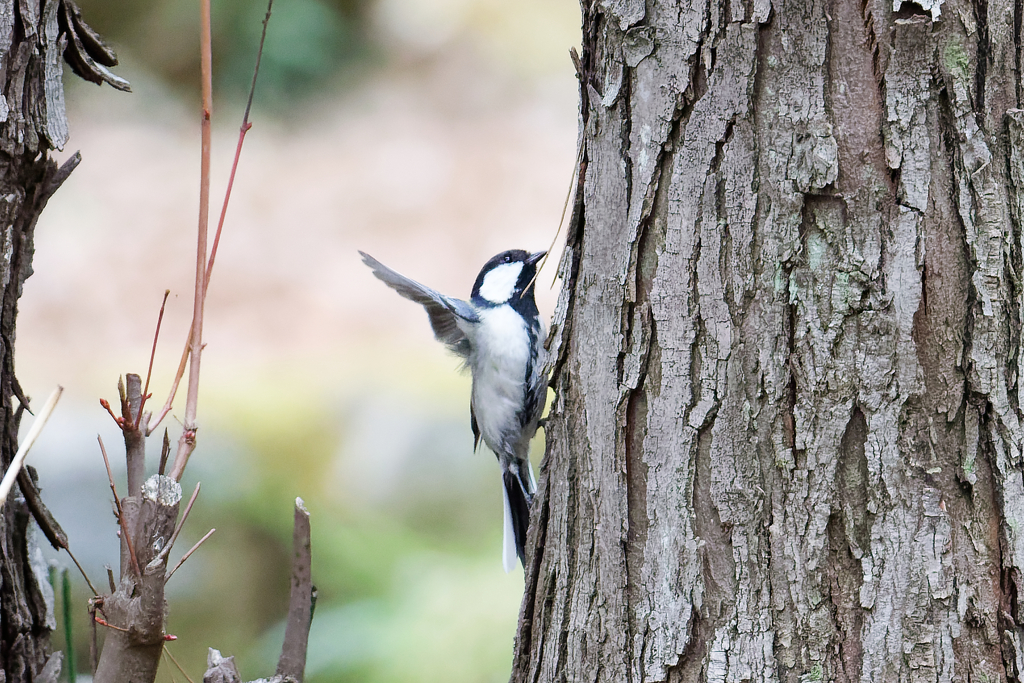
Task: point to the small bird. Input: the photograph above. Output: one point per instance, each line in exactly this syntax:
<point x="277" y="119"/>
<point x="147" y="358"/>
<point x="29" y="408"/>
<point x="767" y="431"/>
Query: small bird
<point x="499" y="334"/>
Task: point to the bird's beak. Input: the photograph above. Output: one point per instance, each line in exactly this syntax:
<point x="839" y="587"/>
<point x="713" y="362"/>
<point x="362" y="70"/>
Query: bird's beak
<point x="534" y="258"/>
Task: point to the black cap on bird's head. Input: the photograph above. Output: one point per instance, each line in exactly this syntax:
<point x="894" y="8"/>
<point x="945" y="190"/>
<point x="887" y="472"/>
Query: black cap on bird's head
<point x="508" y="278"/>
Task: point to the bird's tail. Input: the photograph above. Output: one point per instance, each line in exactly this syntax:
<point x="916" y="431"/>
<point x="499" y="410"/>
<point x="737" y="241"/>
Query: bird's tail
<point x="518" y="493"/>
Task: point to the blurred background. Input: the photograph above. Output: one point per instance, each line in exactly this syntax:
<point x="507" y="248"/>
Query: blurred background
<point x="429" y="133"/>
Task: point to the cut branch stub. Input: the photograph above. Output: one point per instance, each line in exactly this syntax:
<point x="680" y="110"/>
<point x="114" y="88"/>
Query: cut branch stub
<point x="292" y="663"/>
<point x="220" y="669"/>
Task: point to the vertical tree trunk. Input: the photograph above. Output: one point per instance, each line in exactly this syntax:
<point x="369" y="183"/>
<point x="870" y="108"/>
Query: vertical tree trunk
<point x="32" y="122"/>
<point x="34" y="35"/>
<point x="786" y="444"/>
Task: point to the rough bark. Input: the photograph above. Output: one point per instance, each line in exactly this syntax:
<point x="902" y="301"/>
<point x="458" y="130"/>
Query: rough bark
<point x="786" y="443"/>
<point x="32" y="122"/>
<point x="34" y="37"/>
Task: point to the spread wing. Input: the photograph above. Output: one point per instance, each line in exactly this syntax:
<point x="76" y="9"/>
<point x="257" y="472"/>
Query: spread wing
<point x="444" y="312"/>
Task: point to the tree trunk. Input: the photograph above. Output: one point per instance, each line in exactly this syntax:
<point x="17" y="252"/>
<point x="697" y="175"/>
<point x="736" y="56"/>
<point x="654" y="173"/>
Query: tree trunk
<point x="786" y="443"/>
<point x="35" y="36"/>
<point x="33" y="122"/>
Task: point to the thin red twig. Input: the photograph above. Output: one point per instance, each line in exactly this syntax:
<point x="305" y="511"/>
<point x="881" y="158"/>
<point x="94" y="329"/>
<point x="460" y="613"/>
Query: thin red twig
<point x="103" y="622"/>
<point x="120" y="512"/>
<point x="119" y="421"/>
<point x="246" y="125"/>
<point x="152" y="355"/>
<point x="243" y="129"/>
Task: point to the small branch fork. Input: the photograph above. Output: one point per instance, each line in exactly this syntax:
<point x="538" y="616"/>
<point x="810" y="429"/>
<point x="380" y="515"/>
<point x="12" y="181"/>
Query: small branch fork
<point x="135" y="610"/>
<point x="187" y="442"/>
<point x="126" y="536"/>
<point x="208" y="273"/>
<point x="152" y="355"/>
<point x="292" y="663"/>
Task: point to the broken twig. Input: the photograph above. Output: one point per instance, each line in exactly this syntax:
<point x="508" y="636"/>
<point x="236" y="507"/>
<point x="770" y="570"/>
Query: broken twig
<point x="33" y="433"/>
<point x="188" y="554"/>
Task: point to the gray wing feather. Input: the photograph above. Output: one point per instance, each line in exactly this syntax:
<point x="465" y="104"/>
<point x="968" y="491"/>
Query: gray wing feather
<point x="444" y="311"/>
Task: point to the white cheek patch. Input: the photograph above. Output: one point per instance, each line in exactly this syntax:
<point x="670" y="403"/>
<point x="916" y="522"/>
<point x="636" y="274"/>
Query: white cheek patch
<point x="500" y="283"/>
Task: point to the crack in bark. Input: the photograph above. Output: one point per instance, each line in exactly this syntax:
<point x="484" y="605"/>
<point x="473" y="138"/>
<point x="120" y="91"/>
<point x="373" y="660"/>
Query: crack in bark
<point x="690" y="668"/>
<point x="1011" y="583"/>
<point x="869" y="25"/>
<point x="789" y="330"/>
<point x="1018" y="15"/>
<point x="1015" y="263"/>
<point x="570" y="564"/>
<point x="982" y="56"/>
<point x="645" y="265"/>
<point x="848" y="534"/>
<point x="626" y="97"/>
<point x="538" y="529"/>
<point x="947" y="131"/>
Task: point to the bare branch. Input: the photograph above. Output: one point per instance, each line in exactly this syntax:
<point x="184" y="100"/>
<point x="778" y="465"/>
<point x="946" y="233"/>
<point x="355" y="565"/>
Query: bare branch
<point x="94" y="651"/>
<point x="106" y="406"/>
<point x="152" y="355"/>
<point x="188" y="554"/>
<point x="81" y="571"/>
<point x="62" y="174"/>
<point x="138" y="604"/>
<point x="174" y="386"/>
<point x="44" y="518"/>
<point x="126" y="537"/>
<point x="104" y="622"/>
<point x="187" y="442"/>
<point x="134" y="441"/>
<point x="187" y="677"/>
<point x="292" y="663"/>
<point x="238" y="148"/>
<point x="246" y="125"/>
<point x="46" y="521"/>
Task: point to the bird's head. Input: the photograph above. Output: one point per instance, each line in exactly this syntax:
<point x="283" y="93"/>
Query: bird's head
<point x="507" y="278"/>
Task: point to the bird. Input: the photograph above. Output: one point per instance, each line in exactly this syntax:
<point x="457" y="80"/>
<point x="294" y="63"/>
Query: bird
<point x="500" y="337"/>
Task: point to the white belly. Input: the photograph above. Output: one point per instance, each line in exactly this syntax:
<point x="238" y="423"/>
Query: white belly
<point x="501" y="353"/>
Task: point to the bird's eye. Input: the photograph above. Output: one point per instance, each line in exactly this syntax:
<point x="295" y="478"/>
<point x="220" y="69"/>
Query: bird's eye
<point x="507" y="258"/>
